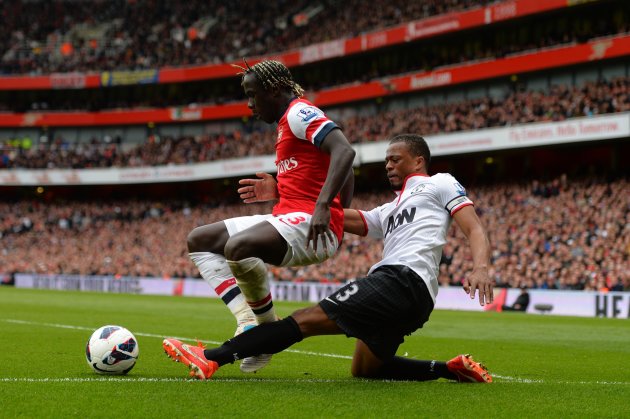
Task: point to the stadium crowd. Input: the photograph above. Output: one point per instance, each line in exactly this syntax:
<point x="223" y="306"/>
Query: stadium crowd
<point x="424" y="56"/>
<point x="557" y="104"/>
<point x="40" y="37"/>
<point x="548" y="235"/>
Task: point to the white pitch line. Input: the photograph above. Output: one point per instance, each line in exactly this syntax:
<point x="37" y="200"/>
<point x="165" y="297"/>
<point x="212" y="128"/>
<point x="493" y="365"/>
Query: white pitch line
<point x="519" y="380"/>
<point x="322" y="354"/>
<point x="151" y="335"/>
<point x="532" y="381"/>
<point x="257" y="380"/>
<point x="87" y="380"/>
<point x="162" y="380"/>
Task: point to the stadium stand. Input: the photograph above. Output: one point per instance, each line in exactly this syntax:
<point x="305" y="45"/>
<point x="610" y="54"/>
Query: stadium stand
<point x="575" y="26"/>
<point x="554" y="233"/>
<point x="560" y="103"/>
<point x="560" y="234"/>
<point x="132" y="35"/>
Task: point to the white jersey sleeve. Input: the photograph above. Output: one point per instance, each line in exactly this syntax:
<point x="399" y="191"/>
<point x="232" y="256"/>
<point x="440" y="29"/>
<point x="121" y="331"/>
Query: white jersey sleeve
<point x="308" y="122"/>
<point x="373" y="222"/>
<point x="451" y="194"/>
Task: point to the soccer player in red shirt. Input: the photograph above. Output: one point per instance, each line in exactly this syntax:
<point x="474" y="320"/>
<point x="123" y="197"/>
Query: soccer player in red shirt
<point x="315" y="181"/>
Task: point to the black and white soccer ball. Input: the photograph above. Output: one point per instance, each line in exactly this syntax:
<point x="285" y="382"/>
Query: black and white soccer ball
<point x="112" y="350"/>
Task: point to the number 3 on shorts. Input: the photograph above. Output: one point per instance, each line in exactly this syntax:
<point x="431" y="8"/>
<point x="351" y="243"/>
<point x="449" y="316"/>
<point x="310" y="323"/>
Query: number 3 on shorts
<point x="343" y="296"/>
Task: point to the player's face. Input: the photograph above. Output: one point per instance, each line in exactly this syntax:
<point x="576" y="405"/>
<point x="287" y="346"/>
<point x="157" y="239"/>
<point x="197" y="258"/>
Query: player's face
<point x="258" y="99"/>
<point x="400" y="163"/>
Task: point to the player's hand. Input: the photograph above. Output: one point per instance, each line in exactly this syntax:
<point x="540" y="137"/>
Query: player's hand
<point x="479" y="280"/>
<point x="319" y="229"/>
<point x="258" y="190"/>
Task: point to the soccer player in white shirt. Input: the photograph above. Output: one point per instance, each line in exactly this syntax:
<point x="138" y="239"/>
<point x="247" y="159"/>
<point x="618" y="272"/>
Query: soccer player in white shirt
<point x="399" y="292"/>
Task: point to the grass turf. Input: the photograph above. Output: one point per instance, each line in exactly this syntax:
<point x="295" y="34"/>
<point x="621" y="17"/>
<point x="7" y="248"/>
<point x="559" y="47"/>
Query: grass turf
<point x="544" y="366"/>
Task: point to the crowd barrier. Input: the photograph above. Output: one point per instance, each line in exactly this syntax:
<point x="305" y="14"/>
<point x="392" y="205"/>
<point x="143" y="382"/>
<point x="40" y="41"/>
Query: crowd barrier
<point x="546" y="302"/>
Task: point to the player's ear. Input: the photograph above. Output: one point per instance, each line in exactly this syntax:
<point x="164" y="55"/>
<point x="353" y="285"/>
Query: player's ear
<point x="420" y="162"/>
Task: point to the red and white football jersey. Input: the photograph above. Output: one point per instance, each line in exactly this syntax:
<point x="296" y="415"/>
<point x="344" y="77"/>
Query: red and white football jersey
<point x="301" y="166"/>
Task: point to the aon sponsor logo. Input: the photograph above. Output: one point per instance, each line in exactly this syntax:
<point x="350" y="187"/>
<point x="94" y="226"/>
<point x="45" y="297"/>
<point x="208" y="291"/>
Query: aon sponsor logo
<point x="286" y="165"/>
<point x="405" y="216"/>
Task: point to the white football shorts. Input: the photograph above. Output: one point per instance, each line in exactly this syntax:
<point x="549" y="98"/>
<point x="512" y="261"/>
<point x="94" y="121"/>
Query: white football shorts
<point x="294" y="228"/>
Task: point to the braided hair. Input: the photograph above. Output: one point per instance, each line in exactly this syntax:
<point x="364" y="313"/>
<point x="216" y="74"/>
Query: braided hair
<point x="272" y="74"/>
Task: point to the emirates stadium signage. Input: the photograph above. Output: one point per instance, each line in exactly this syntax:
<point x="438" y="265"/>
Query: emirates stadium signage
<point x="322" y="51"/>
<point x="186" y="114"/>
<point x="528" y="135"/>
<point x="430" y="80"/>
<point x="68" y="81"/>
<point x="606" y="48"/>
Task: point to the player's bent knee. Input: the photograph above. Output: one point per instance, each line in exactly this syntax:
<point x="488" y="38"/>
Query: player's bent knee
<point x="236" y="248"/>
<point x="194" y="240"/>
<point x="208" y="238"/>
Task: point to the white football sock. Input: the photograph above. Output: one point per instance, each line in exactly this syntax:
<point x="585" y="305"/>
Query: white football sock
<point x="251" y="277"/>
<point x="215" y="270"/>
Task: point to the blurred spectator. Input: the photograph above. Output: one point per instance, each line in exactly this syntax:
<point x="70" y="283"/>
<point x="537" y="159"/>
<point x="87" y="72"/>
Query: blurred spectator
<point x="7" y="279"/>
<point x="521" y="303"/>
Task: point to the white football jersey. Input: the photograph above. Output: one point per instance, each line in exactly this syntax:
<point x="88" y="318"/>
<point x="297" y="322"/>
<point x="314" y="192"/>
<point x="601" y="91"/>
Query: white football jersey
<point x="414" y="226"/>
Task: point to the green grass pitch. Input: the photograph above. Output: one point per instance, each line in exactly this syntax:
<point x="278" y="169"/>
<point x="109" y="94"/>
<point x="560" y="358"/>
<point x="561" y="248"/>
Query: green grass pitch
<point x="544" y="366"/>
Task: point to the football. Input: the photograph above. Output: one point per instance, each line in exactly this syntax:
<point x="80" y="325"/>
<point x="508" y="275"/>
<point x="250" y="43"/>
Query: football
<point x="112" y="350"/>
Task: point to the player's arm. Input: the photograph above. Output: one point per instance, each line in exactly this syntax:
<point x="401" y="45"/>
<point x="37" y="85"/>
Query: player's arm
<point x="341" y="159"/>
<point x="340" y="169"/>
<point x="466" y="218"/>
<point x="353" y="222"/>
<point x="347" y="191"/>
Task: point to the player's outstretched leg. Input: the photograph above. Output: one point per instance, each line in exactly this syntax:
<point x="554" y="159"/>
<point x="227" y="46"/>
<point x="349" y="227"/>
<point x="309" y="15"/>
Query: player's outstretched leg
<point x="468" y="370"/>
<point x="253" y="363"/>
<point x="192" y="357"/>
<point x="270" y="338"/>
<point x="251" y="277"/>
